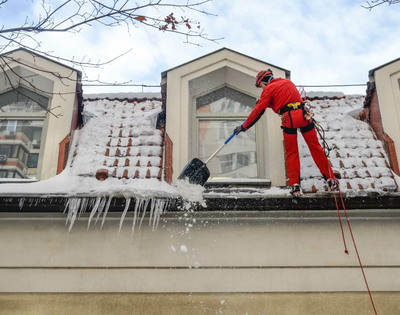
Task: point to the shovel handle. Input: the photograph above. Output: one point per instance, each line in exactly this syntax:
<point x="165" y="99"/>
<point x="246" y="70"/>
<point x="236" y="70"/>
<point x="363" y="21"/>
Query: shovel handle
<point x="220" y="148"/>
<point x="229" y="139"/>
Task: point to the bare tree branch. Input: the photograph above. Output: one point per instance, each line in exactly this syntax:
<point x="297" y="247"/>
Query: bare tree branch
<point x="86" y="12"/>
<point x="74" y="15"/>
<point x="374" y="3"/>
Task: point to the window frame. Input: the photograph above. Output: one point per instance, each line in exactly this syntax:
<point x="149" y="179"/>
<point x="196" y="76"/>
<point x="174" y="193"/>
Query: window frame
<point x="195" y="119"/>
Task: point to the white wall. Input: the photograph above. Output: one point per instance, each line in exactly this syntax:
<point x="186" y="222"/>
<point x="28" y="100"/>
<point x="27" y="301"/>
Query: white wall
<point x="299" y="251"/>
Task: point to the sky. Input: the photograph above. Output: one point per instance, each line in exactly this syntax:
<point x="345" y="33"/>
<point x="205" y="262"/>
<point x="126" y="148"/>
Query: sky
<point x="321" y="42"/>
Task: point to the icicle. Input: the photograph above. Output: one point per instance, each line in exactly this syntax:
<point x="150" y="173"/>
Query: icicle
<point x="128" y="202"/>
<point x="84" y="204"/>
<point x="144" y="211"/>
<point x="151" y="210"/>
<point x="66" y="206"/>
<point x="159" y="208"/>
<point x="73" y="206"/>
<point x="94" y="209"/>
<point x="138" y="205"/>
<point x="106" y="210"/>
<point x="101" y="207"/>
<point x="155" y="211"/>
<point x="21" y="203"/>
<point x="163" y="203"/>
<point x="92" y="202"/>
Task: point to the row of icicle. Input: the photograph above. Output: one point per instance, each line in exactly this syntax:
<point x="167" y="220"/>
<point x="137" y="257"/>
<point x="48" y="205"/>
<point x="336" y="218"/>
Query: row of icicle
<point x="75" y="207"/>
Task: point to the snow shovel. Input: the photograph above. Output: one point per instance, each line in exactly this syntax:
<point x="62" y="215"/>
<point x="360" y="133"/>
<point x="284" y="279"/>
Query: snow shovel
<point x="196" y="170"/>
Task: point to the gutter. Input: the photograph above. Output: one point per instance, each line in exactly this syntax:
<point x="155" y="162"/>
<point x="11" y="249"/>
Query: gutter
<point x="54" y="204"/>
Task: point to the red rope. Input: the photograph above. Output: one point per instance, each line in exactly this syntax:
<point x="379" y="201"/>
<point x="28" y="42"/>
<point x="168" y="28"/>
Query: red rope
<point x="348" y="224"/>
<point x="354" y="242"/>
<point x="340" y="222"/>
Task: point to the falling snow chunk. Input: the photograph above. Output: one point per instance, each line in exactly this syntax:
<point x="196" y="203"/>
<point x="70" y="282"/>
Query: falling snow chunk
<point x="184" y="249"/>
<point x="173" y="248"/>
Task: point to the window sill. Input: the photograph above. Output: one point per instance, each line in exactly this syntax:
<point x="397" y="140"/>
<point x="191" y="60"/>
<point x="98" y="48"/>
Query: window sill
<point x="238" y="183"/>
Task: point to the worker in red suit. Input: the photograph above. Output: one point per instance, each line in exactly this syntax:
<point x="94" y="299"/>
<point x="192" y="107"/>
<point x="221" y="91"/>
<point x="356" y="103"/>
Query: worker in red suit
<point x="282" y="96"/>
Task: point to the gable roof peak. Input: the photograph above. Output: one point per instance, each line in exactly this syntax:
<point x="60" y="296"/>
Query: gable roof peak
<point x="287" y="72"/>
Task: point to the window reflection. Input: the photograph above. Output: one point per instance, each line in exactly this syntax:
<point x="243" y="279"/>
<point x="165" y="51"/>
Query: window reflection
<point x="224" y="105"/>
<point x="236" y="160"/>
<point x="19" y="148"/>
<point x="21" y="100"/>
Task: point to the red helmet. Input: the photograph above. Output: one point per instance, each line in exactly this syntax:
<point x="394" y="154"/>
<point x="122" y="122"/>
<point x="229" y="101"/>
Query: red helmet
<point x="264" y="76"/>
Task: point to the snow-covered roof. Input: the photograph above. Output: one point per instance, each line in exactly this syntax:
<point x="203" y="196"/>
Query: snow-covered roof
<point x="356" y="153"/>
<point x="120" y="139"/>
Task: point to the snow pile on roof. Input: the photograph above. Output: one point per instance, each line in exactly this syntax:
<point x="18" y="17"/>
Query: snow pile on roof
<point x="131" y="145"/>
<point x="356" y="153"/>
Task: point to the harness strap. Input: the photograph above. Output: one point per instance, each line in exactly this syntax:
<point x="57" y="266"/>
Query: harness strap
<point x="291" y="106"/>
<point x="307" y="128"/>
<point x="290" y="131"/>
<point x="293" y="131"/>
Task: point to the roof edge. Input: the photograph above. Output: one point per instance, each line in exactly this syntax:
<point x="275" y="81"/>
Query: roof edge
<point x="164" y="73"/>
<point x="371" y="72"/>
<point x="79" y="73"/>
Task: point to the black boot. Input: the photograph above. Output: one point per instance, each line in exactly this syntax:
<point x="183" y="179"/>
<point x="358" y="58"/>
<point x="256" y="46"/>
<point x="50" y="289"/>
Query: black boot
<point x="295" y="190"/>
<point x="332" y="184"/>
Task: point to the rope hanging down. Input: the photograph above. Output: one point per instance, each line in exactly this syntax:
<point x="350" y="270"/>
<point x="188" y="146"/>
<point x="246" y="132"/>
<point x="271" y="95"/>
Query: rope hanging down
<point x="327" y="149"/>
<point x="354" y="242"/>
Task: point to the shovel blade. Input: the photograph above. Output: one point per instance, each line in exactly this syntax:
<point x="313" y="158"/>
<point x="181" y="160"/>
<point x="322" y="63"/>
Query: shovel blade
<point x="196" y="172"/>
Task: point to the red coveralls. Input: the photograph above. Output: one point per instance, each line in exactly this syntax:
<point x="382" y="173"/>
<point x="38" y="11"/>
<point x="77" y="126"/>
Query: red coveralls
<point x="278" y="93"/>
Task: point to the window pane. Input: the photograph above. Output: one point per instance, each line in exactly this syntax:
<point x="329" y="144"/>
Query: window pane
<point x="33" y="160"/>
<point x="21" y="100"/>
<point x="20" y="143"/>
<point x="238" y="159"/>
<point x="5" y="149"/>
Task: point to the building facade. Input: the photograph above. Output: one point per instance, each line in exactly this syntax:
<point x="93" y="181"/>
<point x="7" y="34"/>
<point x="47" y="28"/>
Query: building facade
<point x="107" y="246"/>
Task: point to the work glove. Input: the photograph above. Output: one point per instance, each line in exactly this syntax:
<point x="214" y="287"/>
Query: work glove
<point x="239" y="129"/>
